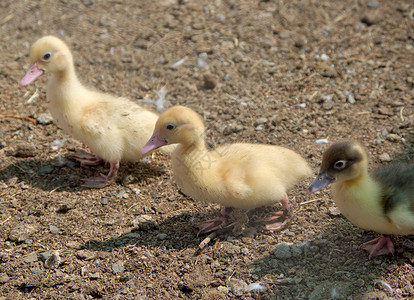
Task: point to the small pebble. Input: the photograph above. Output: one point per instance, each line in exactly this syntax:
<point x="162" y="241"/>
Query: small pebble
<point x="282" y="251"/>
<point x="328" y="71"/>
<point x="223" y="289"/>
<point x="94" y="276"/>
<point x="12" y="181"/>
<point x="30" y="258"/>
<point x="210" y="81"/>
<point x="327" y="106"/>
<point x="133" y="235"/>
<point x="45" y="170"/>
<point x="385" y="111"/>
<point x="324" y="57"/>
<point x="53" y="229"/>
<point x="53" y="261"/>
<point x="351" y="99"/>
<point x="284" y="35"/>
<point x="370" y="19"/>
<point x="214" y="295"/>
<point x="85" y="255"/>
<point x="373" y="4"/>
<point x="4" y="278"/>
<point x="45" y="255"/>
<point x="162" y="236"/>
<point x="121" y="194"/>
<point x="385" y="157"/>
<point x="118" y="267"/>
<point x="260" y="121"/>
<point x="24" y="150"/>
<point x="20" y="233"/>
<point x="72" y="244"/>
<point x="143" y="218"/>
<point x="392" y="137"/>
<point x="237" y="286"/>
<point x="289" y="233"/>
<point x="322" y="141"/>
<point x="44" y="119"/>
<point x="202" y="60"/>
<point x="128" y="179"/>
<point x="136" y="191"/>
<point x="334" y="211"/>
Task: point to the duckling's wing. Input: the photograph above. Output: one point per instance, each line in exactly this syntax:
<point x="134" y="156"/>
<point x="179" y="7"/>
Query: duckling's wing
<point x="234" y="179"/>
<point x="397" y="185"/>
<point x="111" y="113"/>
<point x="94" y="121"/>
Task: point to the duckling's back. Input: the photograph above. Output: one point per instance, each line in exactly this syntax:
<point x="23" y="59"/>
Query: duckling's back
<point x="285" y="163"/>
<point x="397" y="190"/>
<point x="268" y="171"/>
<point x="117" y="127"/>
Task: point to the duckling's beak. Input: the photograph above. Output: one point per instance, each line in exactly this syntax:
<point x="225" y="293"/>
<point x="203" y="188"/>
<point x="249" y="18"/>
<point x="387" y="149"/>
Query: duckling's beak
<point x="320" y="182"/>
<point x="155" y="142"/>
<point x="31" y="75"/>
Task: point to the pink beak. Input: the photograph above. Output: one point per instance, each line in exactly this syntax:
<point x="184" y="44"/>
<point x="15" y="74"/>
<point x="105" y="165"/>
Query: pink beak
<point x="154" y="143"/>
<point x="31" y="75"/>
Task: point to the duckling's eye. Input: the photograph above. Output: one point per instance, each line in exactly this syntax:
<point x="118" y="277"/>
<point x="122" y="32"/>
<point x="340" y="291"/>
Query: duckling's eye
<point x="170" y="126"/>
<point x="46" y="56"/>
<point x="340" y="164"/>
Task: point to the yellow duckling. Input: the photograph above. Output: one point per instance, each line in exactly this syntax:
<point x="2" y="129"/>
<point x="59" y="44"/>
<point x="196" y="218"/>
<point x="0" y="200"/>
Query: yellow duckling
<point x="382" y="201"/>
<point x="243" y="176"/>
<point x="114" y="128"/>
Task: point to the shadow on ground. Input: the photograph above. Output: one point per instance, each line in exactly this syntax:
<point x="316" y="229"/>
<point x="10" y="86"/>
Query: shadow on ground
<point x="48" y="175"/>
<point x="181" y="235"/>
<point x="330" y="266"/>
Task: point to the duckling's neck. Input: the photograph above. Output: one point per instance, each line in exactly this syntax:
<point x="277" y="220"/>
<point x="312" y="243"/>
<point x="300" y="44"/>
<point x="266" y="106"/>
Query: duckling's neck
<point x="354" y="189"/>
<point x="190" y="159"/>
<point x="192" y="146"/>
<point x="66" y="75"/>
<point x="363" y="176"/>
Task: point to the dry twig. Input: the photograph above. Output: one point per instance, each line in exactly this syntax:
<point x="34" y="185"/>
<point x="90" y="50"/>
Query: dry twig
<point x="20" y="117"/>
<point x="310" y="201"/>
<point x="5" y="220"/>
<point x="205" y="243"/>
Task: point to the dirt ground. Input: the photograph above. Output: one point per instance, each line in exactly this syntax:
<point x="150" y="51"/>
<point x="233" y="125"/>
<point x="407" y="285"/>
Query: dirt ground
<point x="278" y="72"/>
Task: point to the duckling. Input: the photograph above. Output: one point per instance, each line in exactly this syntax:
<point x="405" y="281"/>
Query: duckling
<point x="114" y="128"/>
<point x="241" y="176"/>
<point x="382" y="201"/>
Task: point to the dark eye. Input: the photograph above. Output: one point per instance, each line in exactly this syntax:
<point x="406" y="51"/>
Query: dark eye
<point x="170" y="126"/>
<point x="46" y="56"/>
<point x="340" y="164"/>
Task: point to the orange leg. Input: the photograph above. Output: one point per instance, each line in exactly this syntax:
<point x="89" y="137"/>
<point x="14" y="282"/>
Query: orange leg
<point x="103" y="180"/>
<point x="217" y="223"/>
<point x="86" y="158"/>
<point x="274" y="223"/>
<point x="379" y="246"/>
